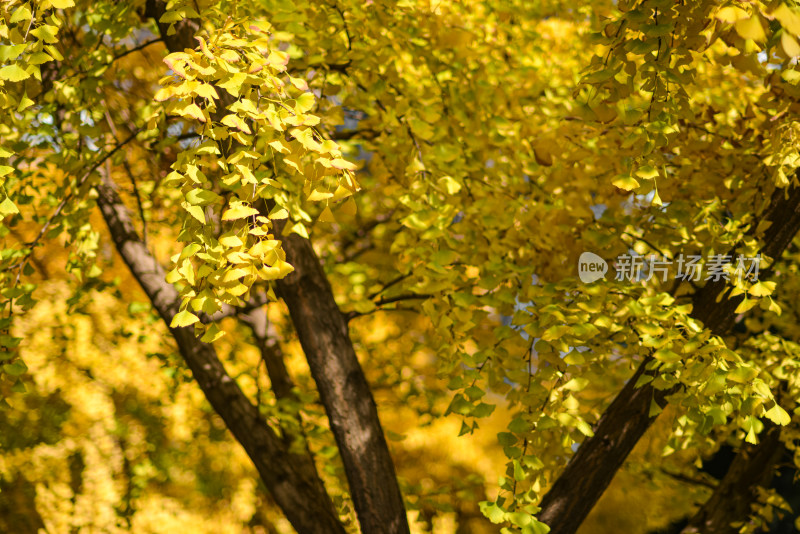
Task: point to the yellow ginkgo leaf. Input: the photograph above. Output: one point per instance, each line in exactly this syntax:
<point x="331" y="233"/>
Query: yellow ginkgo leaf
<point x="327" y="215"/>
<point x="184" y="318"/>
<point x="789" y="45"/>
<point x="62" y="4"/>
<point x="731" y="14"/>
<point x="751" y="29"/>
<point x="317" y="195"/>
<point x="339" y="163"/>
<point x="239" y="211"/>
<point x="13" y="73"/>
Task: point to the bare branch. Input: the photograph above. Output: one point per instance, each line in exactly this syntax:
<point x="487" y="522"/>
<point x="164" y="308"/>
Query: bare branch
<point x="688" y="479"/>
<point x="136" y="48"/>
<point x="271" y="353"/>
<point x="400" y="298"/>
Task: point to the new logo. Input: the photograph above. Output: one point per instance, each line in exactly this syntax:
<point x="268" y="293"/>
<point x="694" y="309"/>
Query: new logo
<point x="591" y="267"/>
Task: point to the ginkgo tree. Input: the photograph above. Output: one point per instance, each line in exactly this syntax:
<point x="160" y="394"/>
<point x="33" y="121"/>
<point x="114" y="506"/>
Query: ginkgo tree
<point x="324" y="163"/>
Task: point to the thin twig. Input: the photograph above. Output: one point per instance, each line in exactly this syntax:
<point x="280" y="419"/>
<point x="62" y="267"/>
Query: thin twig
<point x="400" y="298"/>
<point x="138" y="196"/>
<point x="136" y="49"/>
<point x="389" y="284"/>
<point x="685" y="478"/>
<point x="80" y="183"/>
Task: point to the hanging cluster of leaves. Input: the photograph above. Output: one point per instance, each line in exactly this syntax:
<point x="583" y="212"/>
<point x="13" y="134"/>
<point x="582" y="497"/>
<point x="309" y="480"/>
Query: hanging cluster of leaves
<point x="265" y="116"/>
<point x="29" y="32"/>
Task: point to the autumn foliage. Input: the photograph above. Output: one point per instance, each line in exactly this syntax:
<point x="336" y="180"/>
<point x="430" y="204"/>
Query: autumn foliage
<point x="279" y="266"/>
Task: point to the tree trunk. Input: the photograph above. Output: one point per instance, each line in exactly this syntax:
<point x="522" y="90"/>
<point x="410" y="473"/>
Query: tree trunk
<point x="730" y="503"/>
<point x="344" y="391"/>
<point x="591" y="469"/>
<point x="291" y="478"/>
<point x="343" y="388"/>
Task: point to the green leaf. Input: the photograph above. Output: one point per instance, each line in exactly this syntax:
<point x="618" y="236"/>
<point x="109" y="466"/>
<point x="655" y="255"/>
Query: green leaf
<point x="46" y="33"/>
<point x="655" y="409"/>
<point x="506" y="439"/>
<point x="519" y="475"/>
<point x="459" y="405"/>
<point x="465" y="429"/>
<point x="483" y="410"/>
<point x="474" y="392"/>
<point x="518" y="425"/>
<point x="742" y="374"/>
<point x="11" y="52"/>
<point x="519" y="519"/>
<point x="492" y="512"/>
<point x="536" y="527"/>
<point x="15" y="369"/>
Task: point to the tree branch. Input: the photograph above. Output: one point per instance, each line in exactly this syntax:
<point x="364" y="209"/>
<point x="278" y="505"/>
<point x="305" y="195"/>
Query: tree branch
<point x="271" y="353"/>
<point x="291" y="478"/>
<point x="400" y="298"/>
<point x="689" y="480"/>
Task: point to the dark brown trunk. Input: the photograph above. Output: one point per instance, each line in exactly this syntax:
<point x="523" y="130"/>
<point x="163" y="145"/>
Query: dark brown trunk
<point x="753" y="467"/>
<point x="344" y="391"/>
<point x="291" y="478"/>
